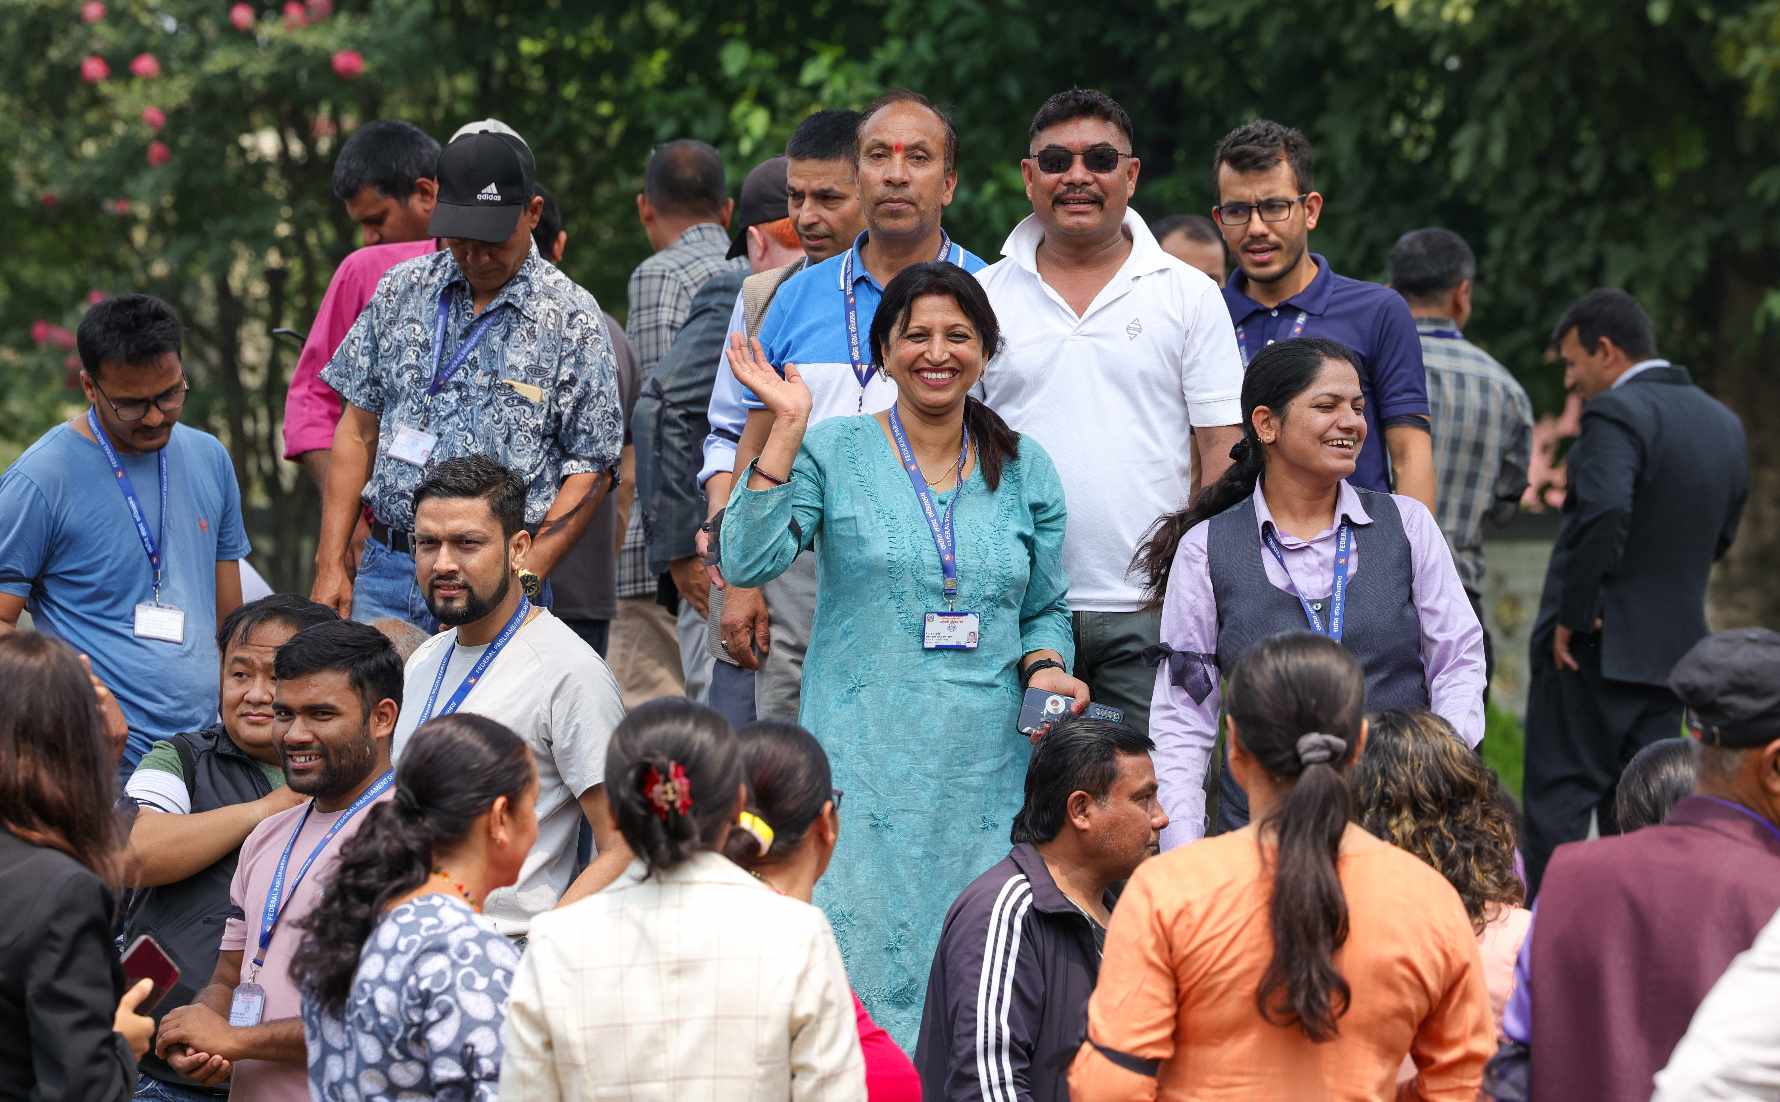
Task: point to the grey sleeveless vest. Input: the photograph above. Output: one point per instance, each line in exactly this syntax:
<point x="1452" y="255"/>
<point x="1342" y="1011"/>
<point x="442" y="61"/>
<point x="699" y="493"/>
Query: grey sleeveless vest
<point x="1381" y="626"/>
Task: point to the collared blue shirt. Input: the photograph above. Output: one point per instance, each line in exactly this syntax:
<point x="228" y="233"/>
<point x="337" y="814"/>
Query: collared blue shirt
<point x="539" y="394"/>
<point x="807" y="325"/>
<point x="1371" y="320"/>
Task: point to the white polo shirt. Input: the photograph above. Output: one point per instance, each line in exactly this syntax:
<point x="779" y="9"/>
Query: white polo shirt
<point x="1111" y="395"/>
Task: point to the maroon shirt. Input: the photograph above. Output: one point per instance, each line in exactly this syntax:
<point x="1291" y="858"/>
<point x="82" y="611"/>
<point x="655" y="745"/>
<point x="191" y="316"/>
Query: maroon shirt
<point x="1632" y="932"/>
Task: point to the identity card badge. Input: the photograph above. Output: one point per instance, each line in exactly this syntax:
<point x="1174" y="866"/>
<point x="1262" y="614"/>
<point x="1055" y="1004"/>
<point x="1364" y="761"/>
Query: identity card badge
<point x="951" y="631"/>
<point x="158" y="621"/>
<point x="413" y="445"/>
<point x="248" y="1006"/>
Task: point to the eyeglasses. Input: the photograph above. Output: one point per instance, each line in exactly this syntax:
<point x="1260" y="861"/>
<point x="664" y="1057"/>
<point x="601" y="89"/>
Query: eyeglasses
<point x="1054" y="160"/>
<point x="1271" y="210"/>
<point x="168" y="401"/>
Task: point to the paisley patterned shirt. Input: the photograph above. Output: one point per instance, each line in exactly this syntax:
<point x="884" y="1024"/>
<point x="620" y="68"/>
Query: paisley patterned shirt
<point x="424" y="1018"/>
<point x="539" y="393"/>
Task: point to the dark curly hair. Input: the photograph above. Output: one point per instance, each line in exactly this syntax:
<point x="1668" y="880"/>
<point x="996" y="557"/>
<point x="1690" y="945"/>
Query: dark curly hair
<point x="1420" y="788"/>
<point x="451" y="773"/>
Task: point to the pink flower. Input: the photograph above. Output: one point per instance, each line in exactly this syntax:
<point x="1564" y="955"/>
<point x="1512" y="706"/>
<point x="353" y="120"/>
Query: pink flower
<point x="40" y="331"/>
<point x="120" y="206"/>
<point x="92" y="11"/>
<point x="348" y="64"/>
<point x="94" y="298"/>
<point x="294" y="17"/>
<point x="49" y="199"/>
<point x="154" y="118"/>
<point x="319" y="9"/>
<point x="58" y="337"/>
<point x="159" y="154"/>
<point x="145" y="66"/>
<point x="241" y="16"/>
<point x="93" y="69"/>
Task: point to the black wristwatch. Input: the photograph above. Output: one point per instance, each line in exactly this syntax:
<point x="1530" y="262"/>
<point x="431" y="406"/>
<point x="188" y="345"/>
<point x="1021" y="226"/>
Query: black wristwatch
<point x="1041" y="664"/>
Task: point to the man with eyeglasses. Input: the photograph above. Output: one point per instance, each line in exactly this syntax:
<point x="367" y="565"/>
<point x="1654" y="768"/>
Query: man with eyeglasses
<point x="1117" y="354"/>
<point x="121" y="529"/>
<point x="1267" y="206"/>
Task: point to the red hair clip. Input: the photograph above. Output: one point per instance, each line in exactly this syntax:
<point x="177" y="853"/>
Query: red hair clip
<point x="673" y="792"/>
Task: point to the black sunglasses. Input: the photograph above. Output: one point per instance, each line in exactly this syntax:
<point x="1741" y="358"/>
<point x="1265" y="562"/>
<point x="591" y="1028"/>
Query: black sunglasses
<point x="1054" y="160"/>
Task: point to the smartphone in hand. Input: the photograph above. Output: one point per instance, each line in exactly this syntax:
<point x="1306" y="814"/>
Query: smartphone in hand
<point x="145" y="959"/>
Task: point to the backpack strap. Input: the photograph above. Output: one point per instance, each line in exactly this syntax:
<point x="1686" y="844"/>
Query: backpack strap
<point x="188" y="766"/>
<point x="758" y="291"/>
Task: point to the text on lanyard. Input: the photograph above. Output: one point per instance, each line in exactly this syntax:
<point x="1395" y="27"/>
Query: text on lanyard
<point x="941" y="525"/>
<point x="1242" y="334"/>
<point x="273" y="910"/>
<point x="1337" y="590"/>
<point x="442" y="375"/>
<point x="123" y="483"/>
<point x="456" y="699"/>
<point x="862" y="370"/>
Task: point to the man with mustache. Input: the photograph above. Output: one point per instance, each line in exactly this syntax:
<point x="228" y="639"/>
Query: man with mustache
<point x="509" y="660"/>
<point x="338" y="694"/>
<point x="1267" y="206"/>
<point x="906" y="153"/>
<point x="1118" y="355"/>
<point x="483" y="348"/>
<point x="123" y="531"/>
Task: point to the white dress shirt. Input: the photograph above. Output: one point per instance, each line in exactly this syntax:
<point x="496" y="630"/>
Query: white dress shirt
<point x="698" y="984"/>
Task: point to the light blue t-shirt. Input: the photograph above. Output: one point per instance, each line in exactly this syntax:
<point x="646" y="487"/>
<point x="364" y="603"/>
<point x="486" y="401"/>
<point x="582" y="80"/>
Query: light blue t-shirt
<point x="68" y="546"/>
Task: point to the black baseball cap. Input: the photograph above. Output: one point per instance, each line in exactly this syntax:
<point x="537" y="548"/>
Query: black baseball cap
<point x="763" y="201"/>
<point x="486" y="180"/>
<point x="1730" y="682"/>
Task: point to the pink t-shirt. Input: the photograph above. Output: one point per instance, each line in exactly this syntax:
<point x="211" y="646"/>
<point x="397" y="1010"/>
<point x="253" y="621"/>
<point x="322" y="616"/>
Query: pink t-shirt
<point x="311" y="408"/>
<point x="258" y="1079"/>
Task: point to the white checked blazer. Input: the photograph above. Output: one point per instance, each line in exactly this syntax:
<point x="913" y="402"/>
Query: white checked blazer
<point x="694" y="984"/>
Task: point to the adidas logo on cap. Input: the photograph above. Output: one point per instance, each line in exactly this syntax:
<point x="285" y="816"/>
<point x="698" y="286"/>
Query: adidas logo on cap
<point x="490" y="193"/>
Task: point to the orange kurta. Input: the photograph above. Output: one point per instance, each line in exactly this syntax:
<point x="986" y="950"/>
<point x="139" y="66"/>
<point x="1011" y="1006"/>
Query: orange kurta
<point x="1185" y="953"/>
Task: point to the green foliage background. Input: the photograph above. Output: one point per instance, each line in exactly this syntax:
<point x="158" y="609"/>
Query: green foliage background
<point x="1575" y="143"/>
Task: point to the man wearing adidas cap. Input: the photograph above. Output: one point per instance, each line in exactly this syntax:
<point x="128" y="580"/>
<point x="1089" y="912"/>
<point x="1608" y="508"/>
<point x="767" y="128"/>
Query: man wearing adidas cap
<point x="481" y="349"/>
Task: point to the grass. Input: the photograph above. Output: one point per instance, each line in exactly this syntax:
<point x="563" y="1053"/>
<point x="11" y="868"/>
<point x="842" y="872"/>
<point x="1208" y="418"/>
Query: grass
<point x="1504" y="747"/>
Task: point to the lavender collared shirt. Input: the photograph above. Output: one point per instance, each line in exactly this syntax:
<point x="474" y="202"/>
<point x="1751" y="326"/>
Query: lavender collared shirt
<point x="1451" y="641"/>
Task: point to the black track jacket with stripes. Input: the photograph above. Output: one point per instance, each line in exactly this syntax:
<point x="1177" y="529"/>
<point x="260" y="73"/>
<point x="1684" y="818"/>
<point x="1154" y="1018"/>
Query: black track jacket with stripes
<point x="1007" y="1000"/>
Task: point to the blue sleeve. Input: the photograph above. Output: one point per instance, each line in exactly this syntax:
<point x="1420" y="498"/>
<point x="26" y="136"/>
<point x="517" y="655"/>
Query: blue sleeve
<point x="726" y="414"/>
<point x="1517" y="1016"/>
<point x="772" y="341"/>
<point x="231" y="530"/>
<point x="1399" y="381"/>
<point x="26" y="533"/>
<point x="763" y="530"/>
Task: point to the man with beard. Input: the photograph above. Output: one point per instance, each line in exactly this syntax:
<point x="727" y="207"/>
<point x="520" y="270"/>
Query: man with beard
<point x="1267" y="206"/>
<point x="1123" y="355"/>
<point x="512" y="661"/>
<point x="338" y="694"/>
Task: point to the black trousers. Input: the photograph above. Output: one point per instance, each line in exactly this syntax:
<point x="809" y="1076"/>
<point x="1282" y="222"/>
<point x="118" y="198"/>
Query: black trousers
<point x="1582" y="729"/>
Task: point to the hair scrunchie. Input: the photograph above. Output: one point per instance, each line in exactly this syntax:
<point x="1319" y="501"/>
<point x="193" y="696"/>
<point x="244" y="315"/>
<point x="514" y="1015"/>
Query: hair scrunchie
<point x="1319" y="749"/>
<point x="1239" y="451"/>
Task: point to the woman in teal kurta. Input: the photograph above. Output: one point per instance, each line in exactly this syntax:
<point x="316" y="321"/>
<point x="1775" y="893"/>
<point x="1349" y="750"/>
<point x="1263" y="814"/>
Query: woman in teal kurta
<point x="923" y="741"/>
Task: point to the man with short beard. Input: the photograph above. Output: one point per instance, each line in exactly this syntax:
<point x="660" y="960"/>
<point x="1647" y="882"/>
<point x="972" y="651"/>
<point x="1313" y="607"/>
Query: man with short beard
<point x="338" y="694"/>
<point x="509" y="660"/>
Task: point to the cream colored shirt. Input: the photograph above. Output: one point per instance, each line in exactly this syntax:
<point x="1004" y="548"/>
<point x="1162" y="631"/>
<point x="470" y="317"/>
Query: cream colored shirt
<point x="699" y="983"/>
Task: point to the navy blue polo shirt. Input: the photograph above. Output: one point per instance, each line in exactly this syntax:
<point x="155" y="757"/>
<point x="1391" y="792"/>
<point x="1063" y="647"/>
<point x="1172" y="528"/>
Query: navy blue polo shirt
<point x="1371" y="320"/>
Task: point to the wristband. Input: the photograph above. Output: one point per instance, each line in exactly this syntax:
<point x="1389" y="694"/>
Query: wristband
<point x="772" y="478"/>
<point x="1041" y="664"/>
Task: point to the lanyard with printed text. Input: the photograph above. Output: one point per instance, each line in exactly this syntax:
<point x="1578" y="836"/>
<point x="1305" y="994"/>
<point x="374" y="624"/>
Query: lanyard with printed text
<point x="476" y="671"/>
<point x="944" y="535"/>
<point x="1337" y="591"/>
<point x="1242" y="334"/>
<point x="862" y="368"/>
<point x="442" y="375"/>
<point x="123" y="483"/>
<point x="273" y="911"/>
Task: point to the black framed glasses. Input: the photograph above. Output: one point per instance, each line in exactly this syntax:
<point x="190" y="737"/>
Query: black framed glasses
<point x="1054" y="160"/>
<point x="1270" y="210"/>
<point x="169" y="401"/>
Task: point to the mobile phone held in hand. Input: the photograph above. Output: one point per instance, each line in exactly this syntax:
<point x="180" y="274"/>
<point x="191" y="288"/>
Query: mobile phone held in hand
<point x="145" y="959"/>
<point x="1041" y="708"/>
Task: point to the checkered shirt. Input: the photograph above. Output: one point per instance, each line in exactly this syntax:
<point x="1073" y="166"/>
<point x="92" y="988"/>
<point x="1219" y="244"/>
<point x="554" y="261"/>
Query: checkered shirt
<point x="1483" y="438"/>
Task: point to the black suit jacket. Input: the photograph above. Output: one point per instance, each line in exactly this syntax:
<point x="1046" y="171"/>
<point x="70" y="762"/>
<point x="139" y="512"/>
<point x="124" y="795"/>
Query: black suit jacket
<point x="59" y="981"/>
<point x="1657" y="481"/>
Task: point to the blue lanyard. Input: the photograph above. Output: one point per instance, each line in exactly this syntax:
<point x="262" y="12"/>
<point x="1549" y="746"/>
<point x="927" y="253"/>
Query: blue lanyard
<point x="1740" y="809"/>
<point x="456" y="701"/>
<point x="1337" y="592"/>
<point x="944" y="536"/>
<point x="442" y="375"/>
<point x="1444" y="334"/>
<point x="272" y="912"/>
<point x="1242" y="334"/>
<point x="862" y="369"/>
<point x="123" y="483"/>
